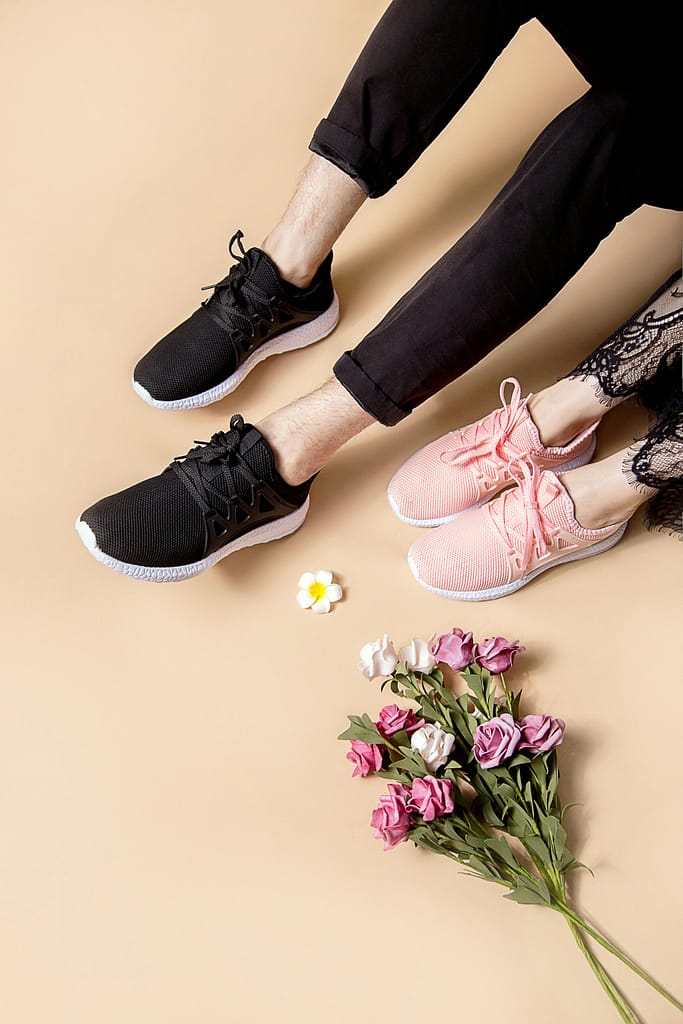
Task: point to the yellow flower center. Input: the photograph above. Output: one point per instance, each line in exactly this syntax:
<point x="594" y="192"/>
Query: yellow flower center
<point x="317" y="590"/>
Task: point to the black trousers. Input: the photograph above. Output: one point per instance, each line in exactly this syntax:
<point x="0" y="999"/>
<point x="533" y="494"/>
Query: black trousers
<point x="595" y="163"/>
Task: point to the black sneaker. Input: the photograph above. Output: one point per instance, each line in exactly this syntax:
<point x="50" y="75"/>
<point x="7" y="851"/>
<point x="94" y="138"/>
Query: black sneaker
<point x="251" y="315"/>
<point x="224" y="495"/>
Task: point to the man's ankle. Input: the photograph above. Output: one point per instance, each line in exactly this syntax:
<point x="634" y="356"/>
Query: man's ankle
<point x="295" y="265"/>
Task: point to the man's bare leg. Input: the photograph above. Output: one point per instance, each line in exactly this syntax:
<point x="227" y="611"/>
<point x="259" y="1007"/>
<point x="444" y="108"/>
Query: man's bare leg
<point x="305" y="434"/>
<point x="323" y="203"/>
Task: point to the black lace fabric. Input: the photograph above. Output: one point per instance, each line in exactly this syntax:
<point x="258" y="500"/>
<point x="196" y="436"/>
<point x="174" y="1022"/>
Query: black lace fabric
<point x="643" y="360"/>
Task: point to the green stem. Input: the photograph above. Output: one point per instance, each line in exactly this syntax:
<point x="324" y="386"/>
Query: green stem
<point x="573" y="918"/>
<point x="623" y="1008"/>
<point x="508" y="695"/>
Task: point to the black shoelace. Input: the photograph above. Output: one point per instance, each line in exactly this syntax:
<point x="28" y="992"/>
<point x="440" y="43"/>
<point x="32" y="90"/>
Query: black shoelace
<point x="218" y="457"/>
<point x="237" y="299"/>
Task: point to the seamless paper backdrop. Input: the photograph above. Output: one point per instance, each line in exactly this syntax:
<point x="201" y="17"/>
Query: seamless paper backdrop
<point x="181" y="841"/>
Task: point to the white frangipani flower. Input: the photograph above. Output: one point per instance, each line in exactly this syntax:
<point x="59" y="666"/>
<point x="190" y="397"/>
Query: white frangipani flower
<point x="317" y="591"/>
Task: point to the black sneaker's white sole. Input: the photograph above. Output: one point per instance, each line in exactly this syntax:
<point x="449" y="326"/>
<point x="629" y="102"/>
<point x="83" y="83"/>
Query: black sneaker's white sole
<point x="288" y="341"/>
<point x="171" y="574"/>
<point x="510" y="588"/>
<point x="564" y="467"/>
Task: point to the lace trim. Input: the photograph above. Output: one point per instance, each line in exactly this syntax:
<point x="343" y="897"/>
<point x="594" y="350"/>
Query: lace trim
<point x="629" y="363"/>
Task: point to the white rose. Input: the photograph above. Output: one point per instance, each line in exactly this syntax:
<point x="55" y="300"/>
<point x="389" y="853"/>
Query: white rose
<point x="378" y="658"/>
<point x="433" y="744"/>
<point x="417" y="656"/>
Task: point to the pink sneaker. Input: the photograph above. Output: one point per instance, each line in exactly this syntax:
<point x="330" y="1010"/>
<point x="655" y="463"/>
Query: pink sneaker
<point x="492" y="551"/>
<point x="465" y="468"/>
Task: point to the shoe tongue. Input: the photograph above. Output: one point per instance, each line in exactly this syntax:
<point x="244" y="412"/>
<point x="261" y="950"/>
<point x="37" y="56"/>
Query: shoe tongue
<point x="524" y="434"/>
<point x="258" y="456"/>
<point x="263" y="272"/>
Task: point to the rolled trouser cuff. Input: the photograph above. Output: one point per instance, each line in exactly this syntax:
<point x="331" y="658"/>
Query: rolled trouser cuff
<point x="354" y="156"/>
<point x="367" y="392"/>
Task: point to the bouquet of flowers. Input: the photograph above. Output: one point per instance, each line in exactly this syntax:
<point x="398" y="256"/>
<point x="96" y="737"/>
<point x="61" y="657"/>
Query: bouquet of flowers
<point x="473" y="779"/>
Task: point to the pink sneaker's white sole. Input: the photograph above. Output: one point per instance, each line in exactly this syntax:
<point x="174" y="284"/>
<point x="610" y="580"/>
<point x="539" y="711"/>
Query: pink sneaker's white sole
<point x="172" y="574"/>
<point x="288" y="341"/>
<point x="564" y="467"/>
<point x="510" y="588"/>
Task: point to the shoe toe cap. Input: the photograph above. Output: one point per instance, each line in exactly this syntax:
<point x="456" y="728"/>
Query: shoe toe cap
<point x="193" y="358"/>
<point x="460" y="558"/>
<point x="152" y="524"/>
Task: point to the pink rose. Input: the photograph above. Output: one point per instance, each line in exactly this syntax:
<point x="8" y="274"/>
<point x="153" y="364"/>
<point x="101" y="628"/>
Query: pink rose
<point x="540" y="733"/>
<point x="392" y="719"/>
<point x="431" y="797"/>
<point x="367" y="757"/>
<point x="496" y="741"/>
<point x="497" y="654"/>
<point x="391" y="820"/>
<point x="455" y="649"/>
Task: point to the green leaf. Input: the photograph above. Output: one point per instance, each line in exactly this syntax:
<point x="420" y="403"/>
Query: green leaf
<point x="538" y="849"/>
<point x="394" y="773"/>
<point x="517" y="760"/>
<point x="437" y="675"/>
<point x="517" y="822"/>
<point x="502" y="849"/>
<point x="568" y="807"/>
<point x="553" y="833"/>
<point x="363" y="729"/>
<point x="476" y="687"/>
<point x="489" y="815"/>
<point x="524" y="893"/>
<point x="481" y="867"/>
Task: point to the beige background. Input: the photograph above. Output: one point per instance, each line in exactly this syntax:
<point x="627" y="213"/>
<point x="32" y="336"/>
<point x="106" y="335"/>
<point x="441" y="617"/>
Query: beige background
<point x="181" y="841"/>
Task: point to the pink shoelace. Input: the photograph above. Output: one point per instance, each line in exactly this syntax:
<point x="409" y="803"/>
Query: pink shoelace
<point x="537" y="529"/>
<point x="491" y="436"/>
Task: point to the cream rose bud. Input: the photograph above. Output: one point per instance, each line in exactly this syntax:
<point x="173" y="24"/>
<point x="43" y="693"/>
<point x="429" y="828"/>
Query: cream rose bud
<point x="378" y="658"/>
<point x="417" y="656"/>
<point x="433" y="744"/>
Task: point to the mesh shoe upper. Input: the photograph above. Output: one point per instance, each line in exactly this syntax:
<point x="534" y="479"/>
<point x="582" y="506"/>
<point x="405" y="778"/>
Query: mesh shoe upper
<point x="219" y="490"/>
<point x="466" y="466"/>
<point x="248" y="307"/>
<point x="527" y="526"/>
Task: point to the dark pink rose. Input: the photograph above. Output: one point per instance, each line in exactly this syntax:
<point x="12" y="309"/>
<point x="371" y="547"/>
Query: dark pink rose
<point x="497" y="654"/>
<point x="455" y="649"/>
<point x="391" y="820"/>
<point x="392" y="719"/>
<point x="367" y="757"/>
<point x="540" y="733"/>
<point x="496" y="741"/>
<point x="431" y="797"/>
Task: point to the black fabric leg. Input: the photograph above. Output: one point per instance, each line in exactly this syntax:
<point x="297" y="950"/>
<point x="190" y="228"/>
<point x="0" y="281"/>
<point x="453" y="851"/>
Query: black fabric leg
<point x="419" y="66"/>
<point x="576" y="182"/>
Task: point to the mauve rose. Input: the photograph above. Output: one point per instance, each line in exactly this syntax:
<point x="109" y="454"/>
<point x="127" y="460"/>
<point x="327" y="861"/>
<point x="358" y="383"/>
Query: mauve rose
<point x="378" y="658"/>
<point x="455" y="649"/>
<point x="367" y="757"/>
<point x="496" y="741"/>
<point x="433" y="745"/>
<point x="540" y="733"/>
<point x="431" y="797"/>
<point x="391" y="820"/>
<point x="392" y="719"/>
<point x="497" y="654"/>
<point x="417" y="656"/>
